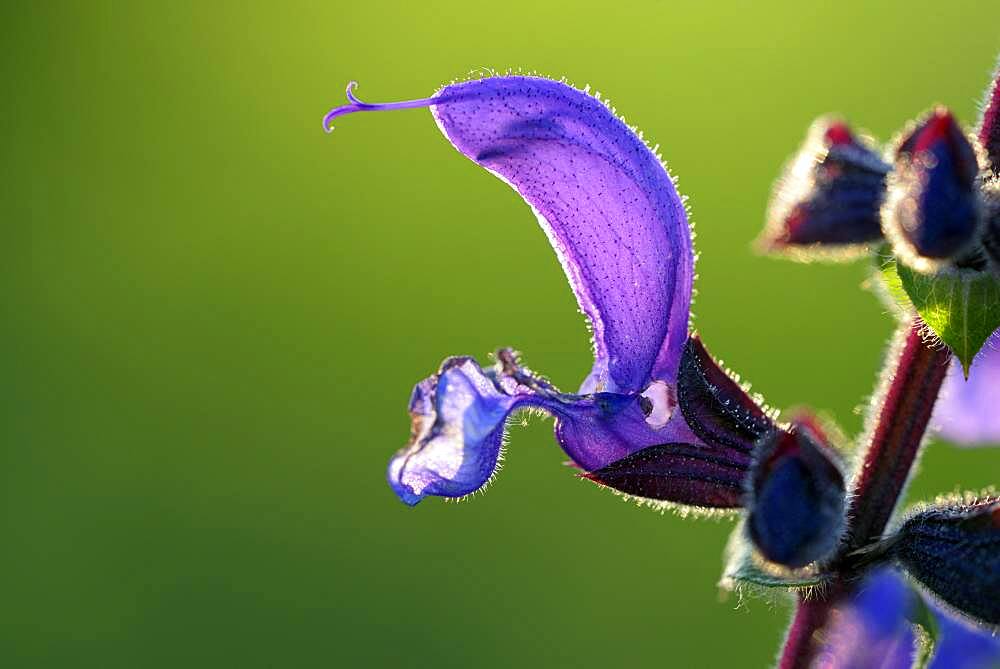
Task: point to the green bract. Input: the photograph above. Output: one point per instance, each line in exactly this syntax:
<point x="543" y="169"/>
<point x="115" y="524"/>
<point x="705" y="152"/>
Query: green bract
<point x="961" y="308"/>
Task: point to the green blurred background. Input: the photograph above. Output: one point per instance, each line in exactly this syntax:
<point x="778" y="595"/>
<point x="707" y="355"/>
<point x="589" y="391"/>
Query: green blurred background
<point x="213" y="314"/>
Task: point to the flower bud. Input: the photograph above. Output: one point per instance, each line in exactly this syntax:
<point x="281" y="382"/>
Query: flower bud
<point x="797" y="504"/>
<point x="932" y="212"/>
<point x="954" y="551"/>
<point x="989" y="126"/>
<point x="991" y="222"/>
<point x="830" y="194"/>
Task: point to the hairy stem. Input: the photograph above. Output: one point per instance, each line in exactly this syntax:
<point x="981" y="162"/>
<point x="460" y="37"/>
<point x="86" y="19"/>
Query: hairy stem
<point x="897" y="435"/>
<point x="918" y="371"/>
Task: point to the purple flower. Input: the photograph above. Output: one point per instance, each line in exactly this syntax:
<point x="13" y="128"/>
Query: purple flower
<point x="967" y="411"/>
<point x="875" y="628"/>
<point x="619" y="228"/>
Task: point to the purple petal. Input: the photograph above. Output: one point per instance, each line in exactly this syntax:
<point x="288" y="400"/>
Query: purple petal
<point x="603" y="198"/>
<point x="871" y="629"/>
<point x="962" y="645"/>
<point x="989" y="125"/>
<point x="966" y="412"/>
<point x="460" y="414"/>
<point x="458" y="423"/>
<point x="596" y="430"/>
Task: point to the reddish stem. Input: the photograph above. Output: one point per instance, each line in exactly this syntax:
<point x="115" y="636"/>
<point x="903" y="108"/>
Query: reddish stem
<point x="898" y="434"/>
<point x="919" y="371"/>
<point x="810" y="616"/>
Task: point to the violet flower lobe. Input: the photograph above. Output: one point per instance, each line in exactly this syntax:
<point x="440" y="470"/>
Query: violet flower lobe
<point x="966" y="412"/>
<point x="878" y="626"/>
<point x="619" y="228"/>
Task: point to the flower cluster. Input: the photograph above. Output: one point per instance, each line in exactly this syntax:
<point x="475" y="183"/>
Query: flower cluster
<point x="657" y="418"/>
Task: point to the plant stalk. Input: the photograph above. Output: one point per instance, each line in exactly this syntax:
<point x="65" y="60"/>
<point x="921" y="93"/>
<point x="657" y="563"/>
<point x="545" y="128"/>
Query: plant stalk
<point x="917" y="372"/>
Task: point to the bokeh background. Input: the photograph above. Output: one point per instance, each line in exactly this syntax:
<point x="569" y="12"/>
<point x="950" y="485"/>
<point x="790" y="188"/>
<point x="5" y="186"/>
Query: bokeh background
<point x="213" y="314"/>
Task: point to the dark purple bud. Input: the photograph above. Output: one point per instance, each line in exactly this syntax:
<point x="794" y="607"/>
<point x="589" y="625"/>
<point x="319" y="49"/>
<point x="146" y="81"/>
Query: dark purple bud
<point x="830" y="193"/>
<point x="932" y="212"/>
<point x="954" y="551"/>
<point x="714" y="405"/>
<point x="681" y="473"/>
<point x="989" y="126"/>
<point x="797" y="505"/>
<point x="991" y="222"/>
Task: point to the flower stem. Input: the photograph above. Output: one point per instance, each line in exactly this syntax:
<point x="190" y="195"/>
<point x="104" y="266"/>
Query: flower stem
<point x="897" y="435"/>
<point x="918" y="371"/>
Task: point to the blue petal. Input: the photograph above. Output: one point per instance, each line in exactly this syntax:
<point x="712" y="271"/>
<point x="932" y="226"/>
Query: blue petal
<point x="796" y="464"/>
<point x="962" y="645"/>
<point x="460" y="414"/>
<point x="458" y="418"/>
<point x="966" y="412"/>
<point x="873" y="629"/>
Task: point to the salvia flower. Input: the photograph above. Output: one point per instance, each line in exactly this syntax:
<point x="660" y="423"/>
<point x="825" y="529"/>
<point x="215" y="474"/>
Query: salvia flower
<point x="619" y="228"/>
<point x="658" y="418"/>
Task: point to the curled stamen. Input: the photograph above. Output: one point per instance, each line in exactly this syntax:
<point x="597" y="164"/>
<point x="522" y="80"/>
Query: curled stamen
<point x="351" y="85"/>
<point x="357" y="105"/>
